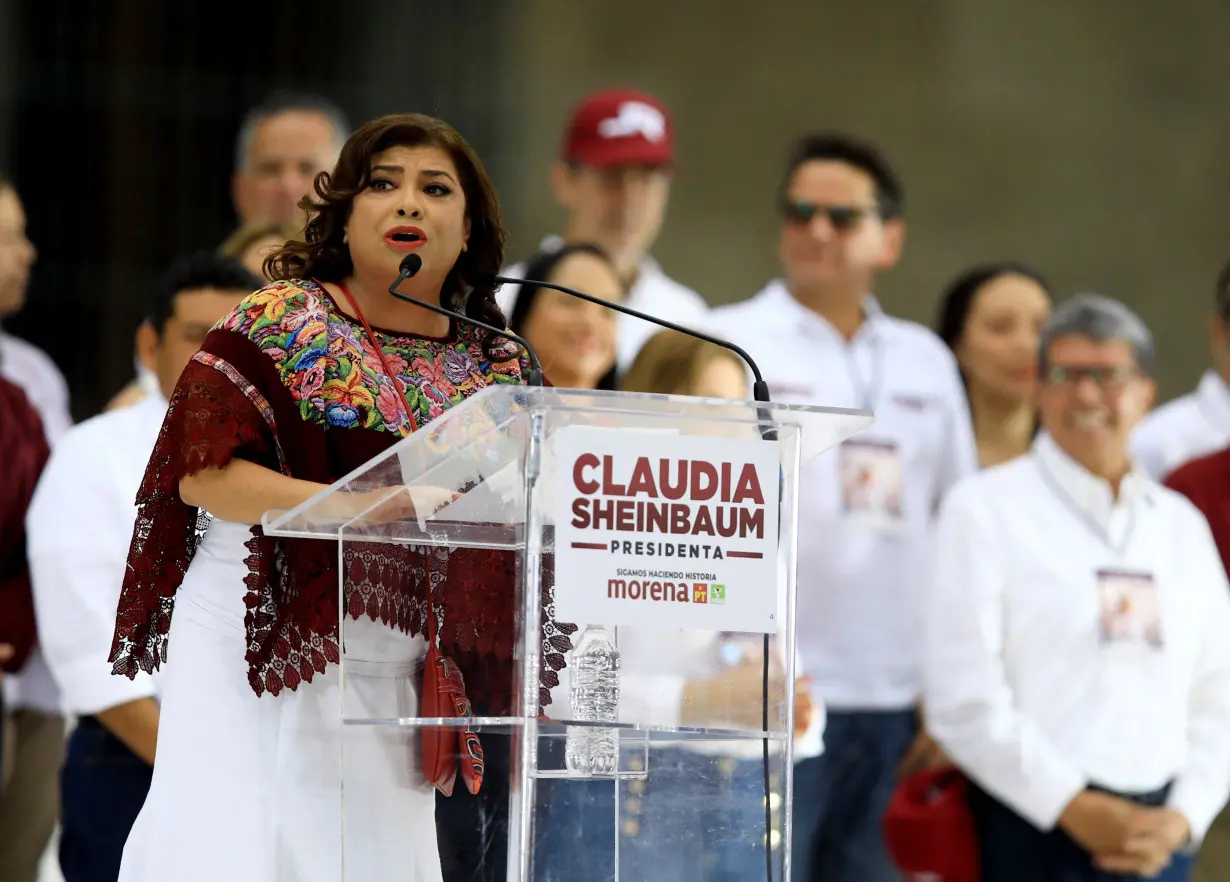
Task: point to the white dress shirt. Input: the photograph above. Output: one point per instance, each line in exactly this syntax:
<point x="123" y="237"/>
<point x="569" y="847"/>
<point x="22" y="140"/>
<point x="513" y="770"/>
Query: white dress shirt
<point x="1025" y="691"/>
<point x="1184" y="429"/>
<point x="654" y="293"/>
<point x="861" y="580"/>
<point x="27" y="366"/>
<point x="79" y="529"/>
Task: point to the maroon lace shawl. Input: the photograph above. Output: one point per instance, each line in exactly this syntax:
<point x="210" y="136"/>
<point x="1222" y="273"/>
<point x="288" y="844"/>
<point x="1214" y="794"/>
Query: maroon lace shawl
<point x="23" y="453"/>
<point x="231" y="402"/>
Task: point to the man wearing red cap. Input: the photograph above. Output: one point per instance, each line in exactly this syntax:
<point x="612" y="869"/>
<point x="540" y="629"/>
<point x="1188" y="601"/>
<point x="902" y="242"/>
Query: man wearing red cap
<point x="614" y="178"/>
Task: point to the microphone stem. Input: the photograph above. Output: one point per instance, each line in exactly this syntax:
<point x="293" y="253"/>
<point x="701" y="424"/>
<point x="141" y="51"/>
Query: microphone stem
<point x="535" y="380"/>
<point x="760" y="389"/>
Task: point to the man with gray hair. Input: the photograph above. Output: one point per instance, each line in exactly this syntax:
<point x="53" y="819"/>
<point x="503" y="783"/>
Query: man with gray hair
<point x="1077" y="668"/>
<point x="283" y="143"/>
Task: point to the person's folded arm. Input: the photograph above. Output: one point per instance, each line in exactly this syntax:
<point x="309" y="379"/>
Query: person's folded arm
<point x="970" y="709"/>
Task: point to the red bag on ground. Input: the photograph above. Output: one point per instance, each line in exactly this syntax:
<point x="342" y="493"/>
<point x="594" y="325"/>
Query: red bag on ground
<point x="929" y="828"/>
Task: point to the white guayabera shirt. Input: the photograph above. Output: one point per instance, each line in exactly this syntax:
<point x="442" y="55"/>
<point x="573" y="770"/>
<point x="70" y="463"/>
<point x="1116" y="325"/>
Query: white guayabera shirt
<point x="79" y="529"/>
<point x="867" y="507"/>
<point x="1075" y="638"/>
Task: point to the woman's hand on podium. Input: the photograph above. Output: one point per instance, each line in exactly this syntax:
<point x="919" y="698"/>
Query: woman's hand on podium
<point x="385" y="507"/>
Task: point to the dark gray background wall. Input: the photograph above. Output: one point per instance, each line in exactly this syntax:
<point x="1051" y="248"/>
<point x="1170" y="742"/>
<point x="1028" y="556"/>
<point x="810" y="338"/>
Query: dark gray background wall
<point x="1086" y="137"/>
<point x="1090" y="138"/>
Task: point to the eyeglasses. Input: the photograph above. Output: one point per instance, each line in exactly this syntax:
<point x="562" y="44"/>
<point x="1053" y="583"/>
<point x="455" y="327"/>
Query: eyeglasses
<point x="1114" y="376"/>
<point x="842" y="217"/>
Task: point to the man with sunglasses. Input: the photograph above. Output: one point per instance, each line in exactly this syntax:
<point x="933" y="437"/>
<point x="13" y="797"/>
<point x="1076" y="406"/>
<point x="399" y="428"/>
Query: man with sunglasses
<point x="865" y="516"/>
<point x="1197" y="423"/>
<point x="1077" y="667"/>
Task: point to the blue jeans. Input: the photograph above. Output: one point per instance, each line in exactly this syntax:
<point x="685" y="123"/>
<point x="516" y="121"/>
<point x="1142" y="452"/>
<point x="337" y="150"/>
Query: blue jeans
<point x="695" y="818"/>
<point x="1014" y="850"/>
<point x="840" y="797"/>
<point x="102" y="788"/>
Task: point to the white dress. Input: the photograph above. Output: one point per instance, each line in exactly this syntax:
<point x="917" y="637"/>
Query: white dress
<point x="249" y="789"/>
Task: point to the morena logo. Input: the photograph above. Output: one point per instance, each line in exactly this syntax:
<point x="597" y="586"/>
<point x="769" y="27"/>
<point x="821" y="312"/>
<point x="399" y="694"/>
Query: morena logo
<point x="660" y="591"/>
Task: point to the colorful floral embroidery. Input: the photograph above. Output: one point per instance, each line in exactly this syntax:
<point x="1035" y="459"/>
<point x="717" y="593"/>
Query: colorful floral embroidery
<point x="337" y="377"/>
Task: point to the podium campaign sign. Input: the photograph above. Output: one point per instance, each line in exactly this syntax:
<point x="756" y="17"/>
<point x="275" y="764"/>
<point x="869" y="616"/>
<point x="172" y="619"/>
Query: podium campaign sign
<point x="666" y="530"/>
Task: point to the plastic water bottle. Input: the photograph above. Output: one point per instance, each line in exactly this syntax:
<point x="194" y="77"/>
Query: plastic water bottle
<point x="594" y="670"/>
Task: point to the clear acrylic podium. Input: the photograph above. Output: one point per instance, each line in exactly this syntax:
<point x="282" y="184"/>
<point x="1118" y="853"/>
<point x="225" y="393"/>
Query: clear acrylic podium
<point x="702" y="746"/>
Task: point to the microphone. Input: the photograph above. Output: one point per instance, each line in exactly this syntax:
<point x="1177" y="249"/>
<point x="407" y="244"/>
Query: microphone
<point x="760" y="389"/>
<point x="411" y="264"/>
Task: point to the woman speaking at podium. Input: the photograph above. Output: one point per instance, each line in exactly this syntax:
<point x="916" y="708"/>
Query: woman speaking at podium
<point x="306" y="380"/>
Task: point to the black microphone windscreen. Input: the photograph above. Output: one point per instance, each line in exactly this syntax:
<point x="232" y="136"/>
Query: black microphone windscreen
<point x="410" y="265"/>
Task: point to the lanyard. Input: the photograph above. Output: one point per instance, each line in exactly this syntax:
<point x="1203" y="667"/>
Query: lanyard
<point x="1103" y="535"/>
<point x="384" y="362"/>
<point x="867" y="394"/>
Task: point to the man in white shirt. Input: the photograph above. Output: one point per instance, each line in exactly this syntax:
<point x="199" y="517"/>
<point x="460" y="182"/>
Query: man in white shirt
<point x="865" y="511"/>
<point x="1077" y="666"/>
<point x="79" y="529"/>
<point x="1197" y="423"/>
<point x="33" y="727"/>
<point x="614" y="178"/>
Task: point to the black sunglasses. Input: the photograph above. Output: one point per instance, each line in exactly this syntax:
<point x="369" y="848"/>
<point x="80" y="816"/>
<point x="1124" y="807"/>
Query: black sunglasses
<point x="842" y="217"/>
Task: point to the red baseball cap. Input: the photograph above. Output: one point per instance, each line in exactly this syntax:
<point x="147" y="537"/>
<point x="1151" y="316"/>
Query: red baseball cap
<point x="619" y="127"/>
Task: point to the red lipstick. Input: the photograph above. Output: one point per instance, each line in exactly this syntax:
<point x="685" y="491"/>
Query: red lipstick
<point x="405" y="238"/>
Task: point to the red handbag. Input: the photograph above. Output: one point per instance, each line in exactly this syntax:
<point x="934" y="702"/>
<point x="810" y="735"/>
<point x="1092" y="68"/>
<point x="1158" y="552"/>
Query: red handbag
<point x="444" y="689"/>
<point x="444" y="749"/>
<point x="929" y="828"/>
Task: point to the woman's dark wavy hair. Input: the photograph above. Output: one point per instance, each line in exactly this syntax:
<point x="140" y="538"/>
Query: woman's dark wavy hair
<point x="323" y="255"/>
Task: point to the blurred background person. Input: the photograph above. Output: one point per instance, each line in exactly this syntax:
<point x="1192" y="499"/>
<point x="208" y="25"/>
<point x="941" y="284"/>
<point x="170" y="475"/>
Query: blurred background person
<point x="991" y="317"/>
<point x="282" y="145"/>
<point x="1197" y="423"/>
<point x="35" y="736"/>
<point x="252" y="244"/>
<point x="1206" y="482"/>
<point x="22" y="363"/>
<point x="671" y="363"/>
<point x="80" y="526"/>
<point x="821" y="338"/>
<point x="575" y="340"/>
<point x="1077" y="665"/>
<point x="613" y="179"/>
<point x="30" y="743"/>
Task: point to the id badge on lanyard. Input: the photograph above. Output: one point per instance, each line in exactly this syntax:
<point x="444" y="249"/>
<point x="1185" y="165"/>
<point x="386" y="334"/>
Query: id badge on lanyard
<point x="1128" y="608"/>
<point x="871" y="483"/>
<point x="870" y="468"/>
<point x="1129" y="611"/>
